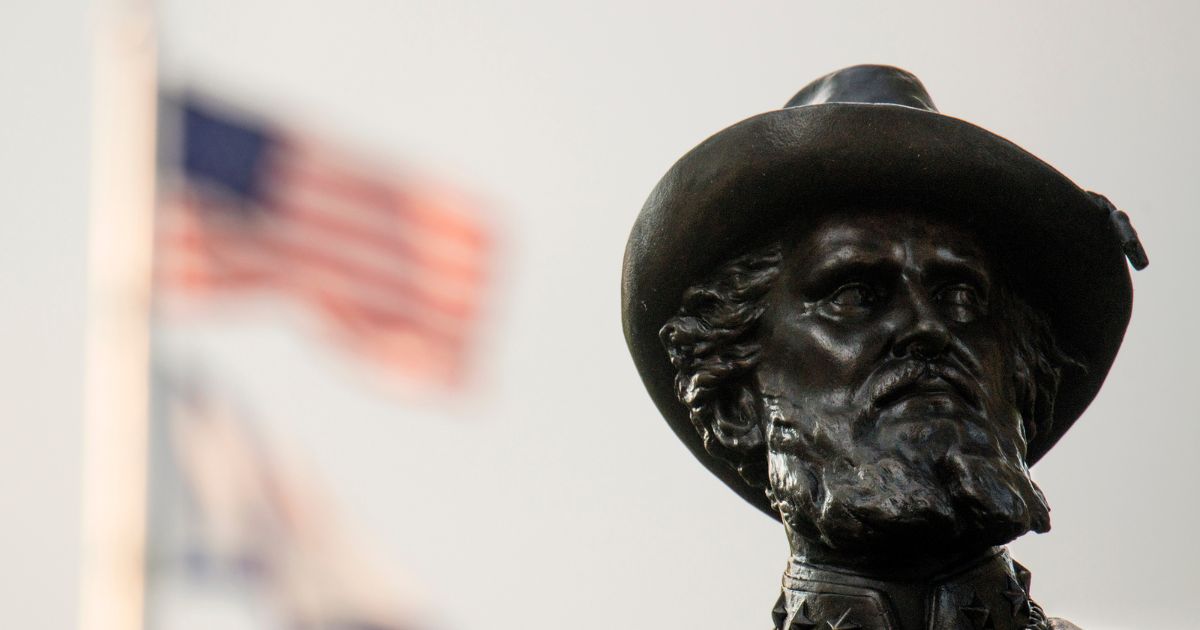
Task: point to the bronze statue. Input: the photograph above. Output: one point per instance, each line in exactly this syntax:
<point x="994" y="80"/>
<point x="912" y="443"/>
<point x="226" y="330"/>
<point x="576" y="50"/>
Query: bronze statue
<point x="869" y="319"/>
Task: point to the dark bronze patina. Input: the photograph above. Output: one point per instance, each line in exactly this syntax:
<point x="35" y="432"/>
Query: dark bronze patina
<point x="869" y="319"/>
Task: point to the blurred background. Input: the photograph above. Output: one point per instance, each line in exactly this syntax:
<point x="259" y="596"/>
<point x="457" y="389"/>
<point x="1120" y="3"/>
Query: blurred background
<point x="373" y="375"/>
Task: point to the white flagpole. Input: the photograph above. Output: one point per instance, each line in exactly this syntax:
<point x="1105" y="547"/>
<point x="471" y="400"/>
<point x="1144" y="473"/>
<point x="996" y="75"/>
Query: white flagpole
<point x="117" y="387"/>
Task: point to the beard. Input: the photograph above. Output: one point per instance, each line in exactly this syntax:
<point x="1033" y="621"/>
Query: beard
<point x="942" y="486"/>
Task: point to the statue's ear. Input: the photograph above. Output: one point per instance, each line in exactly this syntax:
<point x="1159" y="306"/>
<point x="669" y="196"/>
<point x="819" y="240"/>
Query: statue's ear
<point x="733" y="431"/>
<point x="734" y="423"/>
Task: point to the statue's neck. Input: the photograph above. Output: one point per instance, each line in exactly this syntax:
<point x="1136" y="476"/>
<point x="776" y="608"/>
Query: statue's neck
<point x="901" y="563"/>
<point x="972" y="589"/>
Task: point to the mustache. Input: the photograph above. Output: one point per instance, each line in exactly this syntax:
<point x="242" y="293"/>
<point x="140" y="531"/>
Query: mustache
<point x="897" y="380"/>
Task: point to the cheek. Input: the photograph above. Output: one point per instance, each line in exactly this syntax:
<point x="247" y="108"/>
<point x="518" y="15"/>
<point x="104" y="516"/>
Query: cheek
<point x="812" y="358"/>
<point x="998" y="378"/>
<point x="995" y="369"/>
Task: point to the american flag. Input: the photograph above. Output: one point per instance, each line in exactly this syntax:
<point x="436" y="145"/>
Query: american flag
<point x="399" y="266"/>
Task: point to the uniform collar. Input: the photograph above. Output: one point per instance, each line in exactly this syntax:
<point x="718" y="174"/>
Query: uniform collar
<point x="987" y="593"/>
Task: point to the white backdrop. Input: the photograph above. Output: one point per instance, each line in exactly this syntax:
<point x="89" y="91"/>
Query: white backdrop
<point x="556" y="495"/>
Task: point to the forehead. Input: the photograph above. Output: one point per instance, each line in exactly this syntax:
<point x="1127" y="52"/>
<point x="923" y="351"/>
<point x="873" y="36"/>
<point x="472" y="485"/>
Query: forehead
<point x="885" y="234"/>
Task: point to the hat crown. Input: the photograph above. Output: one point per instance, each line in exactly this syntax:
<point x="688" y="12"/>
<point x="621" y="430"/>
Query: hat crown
<point x="886" y="85"/>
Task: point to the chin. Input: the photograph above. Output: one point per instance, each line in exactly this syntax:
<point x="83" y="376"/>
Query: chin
<point x="933" y="429"/>
<point x="931" y="490"/>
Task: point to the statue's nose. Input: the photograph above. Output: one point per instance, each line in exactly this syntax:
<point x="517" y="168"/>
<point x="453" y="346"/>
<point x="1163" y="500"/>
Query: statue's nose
<point x="921" y="332"/>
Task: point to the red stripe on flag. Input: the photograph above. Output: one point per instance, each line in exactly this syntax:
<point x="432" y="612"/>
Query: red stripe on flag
<point x="412" y="204"/>
<point x="386" y="243"/>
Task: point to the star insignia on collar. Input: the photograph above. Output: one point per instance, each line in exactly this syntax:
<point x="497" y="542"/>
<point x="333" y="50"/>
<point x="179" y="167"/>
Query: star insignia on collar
<point x="978" y="613"/>
<point x="779" y="612"/>
<point x="801" y="621"/>
<point x="843" y="623"/>
<point x="1016" y="596"/>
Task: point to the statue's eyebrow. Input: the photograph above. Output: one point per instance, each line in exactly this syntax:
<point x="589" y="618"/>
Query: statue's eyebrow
<point x="846" y="262"/>
<point x="948" y="265"/>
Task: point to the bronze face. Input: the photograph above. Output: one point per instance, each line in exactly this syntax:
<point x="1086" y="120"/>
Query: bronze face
<point x="889" y="399"/>
<point x="883" y="325"/>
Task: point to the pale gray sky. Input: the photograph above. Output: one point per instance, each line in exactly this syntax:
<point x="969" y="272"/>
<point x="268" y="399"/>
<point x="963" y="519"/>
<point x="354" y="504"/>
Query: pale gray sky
<point x="557" y="495"/>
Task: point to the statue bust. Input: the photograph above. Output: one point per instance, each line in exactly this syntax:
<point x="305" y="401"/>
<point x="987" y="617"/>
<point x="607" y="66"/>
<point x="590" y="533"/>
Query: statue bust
<point x="869" y="319"/>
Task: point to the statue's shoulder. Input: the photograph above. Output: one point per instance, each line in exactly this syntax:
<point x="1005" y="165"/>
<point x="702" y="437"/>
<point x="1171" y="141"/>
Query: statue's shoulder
<point x="1062" y="624"/>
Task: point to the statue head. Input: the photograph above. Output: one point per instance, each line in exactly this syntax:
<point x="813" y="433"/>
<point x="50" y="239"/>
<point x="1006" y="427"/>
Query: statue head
<point x="870" y="319"/>
<point x="877" y="377"/>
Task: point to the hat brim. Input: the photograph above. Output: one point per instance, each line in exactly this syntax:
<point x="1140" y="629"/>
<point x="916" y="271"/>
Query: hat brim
<point x="746" y="184"/>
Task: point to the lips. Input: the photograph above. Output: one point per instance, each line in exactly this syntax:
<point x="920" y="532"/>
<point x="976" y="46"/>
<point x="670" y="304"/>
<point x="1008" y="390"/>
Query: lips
<point x="913" y="381"/>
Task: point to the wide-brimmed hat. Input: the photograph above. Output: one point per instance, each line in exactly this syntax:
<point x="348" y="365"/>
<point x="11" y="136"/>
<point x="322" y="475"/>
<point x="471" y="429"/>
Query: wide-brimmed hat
<point x="872" y="133"/>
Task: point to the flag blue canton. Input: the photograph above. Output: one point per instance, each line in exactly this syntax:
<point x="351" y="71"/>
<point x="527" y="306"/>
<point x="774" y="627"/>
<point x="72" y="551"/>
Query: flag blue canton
<point x="224" y="153"/>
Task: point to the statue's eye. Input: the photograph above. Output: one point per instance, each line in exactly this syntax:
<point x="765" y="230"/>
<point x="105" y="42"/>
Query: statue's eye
<point x="959" y="295"/>
<point x="853" y="295"/>
<point x="962" y="302"/>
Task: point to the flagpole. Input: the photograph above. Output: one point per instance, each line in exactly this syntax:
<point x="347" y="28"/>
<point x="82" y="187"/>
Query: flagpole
<point x="112" y="585"/>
